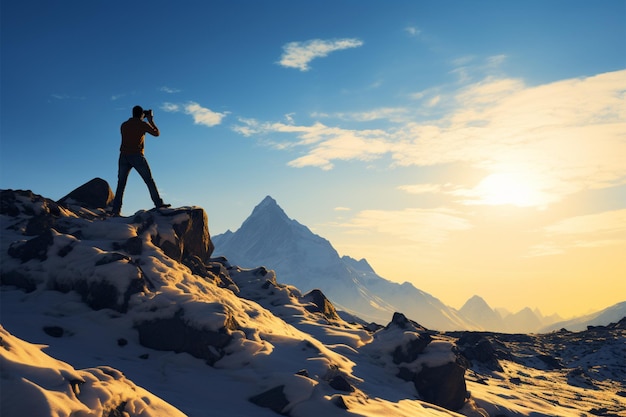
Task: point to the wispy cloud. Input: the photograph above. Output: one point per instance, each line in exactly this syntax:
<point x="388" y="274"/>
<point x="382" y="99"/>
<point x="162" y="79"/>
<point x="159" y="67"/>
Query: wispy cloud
<point x="396" y="114"/>
<point x="325" y="143"/>
<point x="201" y="115"/>
<point x="545" y="141"/>
<point x="429" y="227"/>
<point x="592" y="230"/>
<point x="413" y="31"/>
<point x="169" y="90"/>
<point x="300" y="54"/>
<point x="67" y="97"/>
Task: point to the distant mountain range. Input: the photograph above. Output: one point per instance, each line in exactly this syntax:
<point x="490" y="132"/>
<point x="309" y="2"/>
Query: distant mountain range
<point x="303" y="259"/>
<point x="308" y="261"/>
<point x="612" y="314"/>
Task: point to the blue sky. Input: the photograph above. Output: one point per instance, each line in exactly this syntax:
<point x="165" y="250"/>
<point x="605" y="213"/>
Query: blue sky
<point x="468" y="147"/>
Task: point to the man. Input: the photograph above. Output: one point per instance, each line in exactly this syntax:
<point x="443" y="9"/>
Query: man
<point x="131" y="156"/>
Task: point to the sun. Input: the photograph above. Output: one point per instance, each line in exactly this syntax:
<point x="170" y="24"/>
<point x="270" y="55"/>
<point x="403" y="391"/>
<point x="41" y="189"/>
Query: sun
<point x="510" y="188"/>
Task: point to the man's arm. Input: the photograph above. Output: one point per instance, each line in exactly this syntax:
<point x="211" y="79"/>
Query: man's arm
<point x="154" y="130"/>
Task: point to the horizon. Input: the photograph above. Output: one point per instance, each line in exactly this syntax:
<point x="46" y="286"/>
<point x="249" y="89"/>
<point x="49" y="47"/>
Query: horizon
<point x="499" y="309"/>
<point x="466" y="148"/>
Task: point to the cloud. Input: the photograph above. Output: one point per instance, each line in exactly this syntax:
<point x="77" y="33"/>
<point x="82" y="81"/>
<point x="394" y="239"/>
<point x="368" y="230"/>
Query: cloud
<point x="169" y="90"/>
<point x="324" y="143"/>
<point x="587" y="231"/>
<point x="396" y="114"/>
<point x="67" y="97"/>
<point x="535" y="144"/>
<point x="413" y="31"/>
<point x="428" y="227"/>
<point x="201" y="115"/>
<point x="422" y="188"/>
<point x="300" y="54"/>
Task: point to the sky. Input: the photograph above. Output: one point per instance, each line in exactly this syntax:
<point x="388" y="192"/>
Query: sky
<point x="466" y="147"/>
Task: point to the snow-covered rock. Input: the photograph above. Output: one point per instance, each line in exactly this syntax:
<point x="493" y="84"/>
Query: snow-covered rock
<point x="138" y="295"/>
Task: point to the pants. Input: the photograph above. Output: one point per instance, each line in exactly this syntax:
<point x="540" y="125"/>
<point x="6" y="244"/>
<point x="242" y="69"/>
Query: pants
<point x="139" y="162"/>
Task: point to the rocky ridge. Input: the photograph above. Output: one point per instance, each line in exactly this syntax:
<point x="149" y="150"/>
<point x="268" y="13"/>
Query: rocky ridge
<point x="153" y="275"/>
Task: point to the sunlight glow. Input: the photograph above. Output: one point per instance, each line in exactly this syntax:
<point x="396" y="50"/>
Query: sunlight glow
<point x="508" y="188"/>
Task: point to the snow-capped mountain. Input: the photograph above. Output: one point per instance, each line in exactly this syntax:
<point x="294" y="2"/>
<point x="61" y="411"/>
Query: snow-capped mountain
<point x="478" y="311"/>
<point x="611" y="314"/>
<point x="526" y="320"/>
<point x="301" y="258"/>
<point x="132" y="316"/>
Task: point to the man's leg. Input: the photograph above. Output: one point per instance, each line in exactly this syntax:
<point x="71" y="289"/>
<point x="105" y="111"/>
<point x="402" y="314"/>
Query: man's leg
<point x="123" y="170"/>
<point x="141" y="165"/>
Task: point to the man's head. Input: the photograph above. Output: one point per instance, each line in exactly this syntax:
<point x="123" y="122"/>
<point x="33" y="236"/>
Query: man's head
<point x="138" y="111"/>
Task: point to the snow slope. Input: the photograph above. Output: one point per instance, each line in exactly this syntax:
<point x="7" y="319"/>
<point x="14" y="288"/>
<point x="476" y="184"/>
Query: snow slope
<point x="98" y="320"/>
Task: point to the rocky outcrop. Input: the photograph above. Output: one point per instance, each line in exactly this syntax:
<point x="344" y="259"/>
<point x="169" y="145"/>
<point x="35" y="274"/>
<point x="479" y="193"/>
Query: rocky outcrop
<point x="320" y="304"/>
<point x="179" y="335"/>
<point x="411" y="348"/>
<point x="50" y="231"/>
<point x="442" y="385"/>
<point x="182" y="233"/>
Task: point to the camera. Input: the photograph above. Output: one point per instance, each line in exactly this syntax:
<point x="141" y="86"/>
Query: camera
<point x="147" y="113"/>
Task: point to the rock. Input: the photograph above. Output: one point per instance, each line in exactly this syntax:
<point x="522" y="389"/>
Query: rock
<point x="340" y="383"/>
<point x="399" y="320"/>
<point x="54" y="331"/>
<point x="475" y="347"/>
<point x="550" y="361"/>
<point x="214" y="271"/>
<point x="339" y="402"/>
<point x="102" y="294"/>
<point x="321" y="304"/>
<point x="274" y="399"/>
<point x="187" y="235"/>
<point x="13" y="203"/>
<point x="443" y="385"/>
<point x="409" y="352"/>
<point x="177" y="335"/>
<point x="35" y="248"/>
<point x="93" y="194"/>
<point x="18" y="279"/>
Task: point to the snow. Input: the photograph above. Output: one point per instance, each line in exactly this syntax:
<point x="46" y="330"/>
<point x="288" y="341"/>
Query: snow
<point x="93" y="361"/>
<point x="34" y="384"/>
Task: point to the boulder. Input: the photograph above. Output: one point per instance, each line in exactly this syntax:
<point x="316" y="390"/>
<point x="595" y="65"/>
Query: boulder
<point x="35" y="248"/>
<point x="93" y="194"/>
<point x="179" y="335"/>
<point x="185" y="237"/>
<point x="443" y="385"/>
<point x="320" y="304"/>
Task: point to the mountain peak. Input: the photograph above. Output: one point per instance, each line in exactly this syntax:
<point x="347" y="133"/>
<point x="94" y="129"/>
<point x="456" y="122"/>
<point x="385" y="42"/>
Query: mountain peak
<point x="269" y="210"/>
<point x="474" y="302"/>
<point x="268" y="201"/>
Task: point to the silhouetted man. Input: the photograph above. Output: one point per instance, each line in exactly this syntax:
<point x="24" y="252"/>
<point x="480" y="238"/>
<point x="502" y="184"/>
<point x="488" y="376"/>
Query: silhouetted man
<point x="131" y="156"/>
